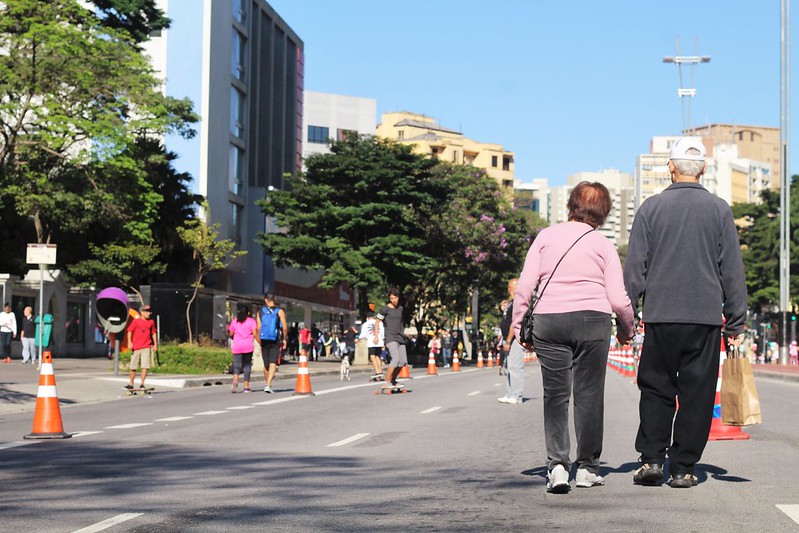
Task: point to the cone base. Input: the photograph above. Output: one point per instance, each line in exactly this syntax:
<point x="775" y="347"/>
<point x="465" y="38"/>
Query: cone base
<point x="303" y="394"/>
<point x="61" y="435"/>
<point x="719" y="431"/>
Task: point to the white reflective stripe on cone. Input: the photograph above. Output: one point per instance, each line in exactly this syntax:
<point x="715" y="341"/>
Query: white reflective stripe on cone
<point x="47" y="369"/>
<point x="303" y="371"/>
<point x="47" y="391"/>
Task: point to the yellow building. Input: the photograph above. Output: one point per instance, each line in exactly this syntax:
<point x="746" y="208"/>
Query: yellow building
<point x="429" y="138"/>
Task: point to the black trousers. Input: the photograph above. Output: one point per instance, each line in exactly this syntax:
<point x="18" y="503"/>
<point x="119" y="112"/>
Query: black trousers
<point x="678" y="362"/>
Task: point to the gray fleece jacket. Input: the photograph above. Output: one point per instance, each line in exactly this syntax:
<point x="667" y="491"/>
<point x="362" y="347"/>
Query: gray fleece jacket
<point x="684" y="259"/>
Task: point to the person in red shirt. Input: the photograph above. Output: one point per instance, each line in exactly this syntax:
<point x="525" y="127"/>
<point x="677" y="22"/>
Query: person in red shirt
<point x="143" y="340"/>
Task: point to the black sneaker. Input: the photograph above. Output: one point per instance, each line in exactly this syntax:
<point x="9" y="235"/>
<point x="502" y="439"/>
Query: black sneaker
<point x="128" y="387"/>
<point x="683" y="480"/>
<point x="142" y="387"/>
<point x="648" y="474"/>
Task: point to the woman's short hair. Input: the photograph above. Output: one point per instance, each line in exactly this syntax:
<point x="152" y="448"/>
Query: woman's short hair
<point x="589" y="203"/>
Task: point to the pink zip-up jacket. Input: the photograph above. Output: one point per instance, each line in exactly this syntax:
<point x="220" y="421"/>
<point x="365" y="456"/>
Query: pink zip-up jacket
<point x="589" y="278"/>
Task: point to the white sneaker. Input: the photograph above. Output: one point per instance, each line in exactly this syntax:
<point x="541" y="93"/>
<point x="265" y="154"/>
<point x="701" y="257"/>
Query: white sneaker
<point x="509" y="400"/>
<point x="504" y="399"/>
<point x="558" y="480"/>
<point x="585" y="479"/>
<point x="268" y="389"/>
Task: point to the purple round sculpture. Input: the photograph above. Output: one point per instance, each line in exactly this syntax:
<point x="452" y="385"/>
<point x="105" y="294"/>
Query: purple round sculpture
<point x="112" y="309"/>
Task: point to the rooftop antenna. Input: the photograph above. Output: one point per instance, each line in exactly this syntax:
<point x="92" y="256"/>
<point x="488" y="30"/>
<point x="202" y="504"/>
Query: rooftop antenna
<point x="686" y="93"/>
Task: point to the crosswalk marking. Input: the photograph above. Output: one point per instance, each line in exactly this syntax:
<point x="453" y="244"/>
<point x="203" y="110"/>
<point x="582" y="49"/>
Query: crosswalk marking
<point x="792" y="510"/>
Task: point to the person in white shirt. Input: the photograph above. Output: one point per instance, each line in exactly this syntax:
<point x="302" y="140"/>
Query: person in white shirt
<point x="8" y="330"/>
<point x="368" y="333"/>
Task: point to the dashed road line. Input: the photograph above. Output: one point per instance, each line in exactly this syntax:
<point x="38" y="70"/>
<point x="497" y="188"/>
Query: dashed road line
<point x="431" y="410"/>
<point x="475" y="393"/>
<point x="17" y="444"/>
<point x="792" y="510"/>
<point x="85" y="433"/>
<point x="129" y="426"/>
<point x="105" y="524"/>
<point x="240" y="407"/>
<point x="173" y="418"/>
<point x="280" y="400"/>
<point x="210" y="413"/>
<point x="348" y="440"/>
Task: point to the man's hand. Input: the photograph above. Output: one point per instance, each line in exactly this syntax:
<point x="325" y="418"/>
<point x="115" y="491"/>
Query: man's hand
<point x="624" y="341"/>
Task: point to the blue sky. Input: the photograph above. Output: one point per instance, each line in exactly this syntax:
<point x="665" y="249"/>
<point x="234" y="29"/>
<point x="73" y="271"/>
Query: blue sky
<point x="568" y="85"/>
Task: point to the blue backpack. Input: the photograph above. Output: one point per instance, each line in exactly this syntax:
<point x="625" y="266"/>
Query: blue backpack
<point x="270" y="321"/>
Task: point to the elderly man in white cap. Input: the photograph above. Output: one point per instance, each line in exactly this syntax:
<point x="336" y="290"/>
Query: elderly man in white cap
<point x="684" y="259"/>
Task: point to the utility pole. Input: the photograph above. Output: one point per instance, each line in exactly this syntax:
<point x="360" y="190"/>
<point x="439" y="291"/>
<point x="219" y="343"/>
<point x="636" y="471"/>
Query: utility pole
<point x="686" y="92"/>
<point x="785" y="178"/>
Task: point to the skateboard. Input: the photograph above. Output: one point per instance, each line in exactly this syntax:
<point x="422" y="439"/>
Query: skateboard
<point x="376" y="377"/>
<point x="392" y="390"/>
<point x="140" y="392"/>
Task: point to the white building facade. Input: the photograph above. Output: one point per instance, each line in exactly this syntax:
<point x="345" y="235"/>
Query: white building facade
<point x="332" y="116"/>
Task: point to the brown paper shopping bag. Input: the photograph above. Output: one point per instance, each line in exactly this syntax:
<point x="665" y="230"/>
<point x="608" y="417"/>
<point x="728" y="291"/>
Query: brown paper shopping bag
<point x="740" y="405"/>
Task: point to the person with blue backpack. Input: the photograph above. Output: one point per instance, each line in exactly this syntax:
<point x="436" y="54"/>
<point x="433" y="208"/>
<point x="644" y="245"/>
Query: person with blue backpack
<point x="273" y="331"/>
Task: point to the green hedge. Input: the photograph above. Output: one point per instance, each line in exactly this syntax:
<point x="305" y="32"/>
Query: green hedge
<point x="187" y="359"/>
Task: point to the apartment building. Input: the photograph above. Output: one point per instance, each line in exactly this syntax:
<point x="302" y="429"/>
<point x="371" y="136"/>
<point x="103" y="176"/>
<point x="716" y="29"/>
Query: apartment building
<point x="430" y="138"/>
<point x="331" y="117"/>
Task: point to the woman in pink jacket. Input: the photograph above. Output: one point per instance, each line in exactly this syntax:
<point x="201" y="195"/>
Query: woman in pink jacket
<point x="572" y="329"/>
<point x="242" y="330"/>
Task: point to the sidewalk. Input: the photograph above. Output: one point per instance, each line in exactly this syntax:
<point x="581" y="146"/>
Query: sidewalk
<point x="92" y="380"/>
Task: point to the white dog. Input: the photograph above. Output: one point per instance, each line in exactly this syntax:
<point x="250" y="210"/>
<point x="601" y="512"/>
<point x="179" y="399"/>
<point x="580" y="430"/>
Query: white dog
<point x="345" y="367"/>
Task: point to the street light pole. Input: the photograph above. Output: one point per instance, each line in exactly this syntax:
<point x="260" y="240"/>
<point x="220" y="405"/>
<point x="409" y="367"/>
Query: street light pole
<point x="785" y="178"/>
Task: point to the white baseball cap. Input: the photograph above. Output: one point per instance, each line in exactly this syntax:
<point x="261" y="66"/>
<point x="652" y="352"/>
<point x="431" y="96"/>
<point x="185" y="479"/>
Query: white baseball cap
<point x="680" y="148"/>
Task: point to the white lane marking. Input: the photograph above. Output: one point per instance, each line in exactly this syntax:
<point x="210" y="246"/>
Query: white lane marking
<point x="348" y="440"/>
<point x="85" y="433"/>
<point x="235" y="407"/>
<point x="475" y="393"/>
<point x="105" y="524"/>
<point x="791" y="510"/>
<point x="129" y="426"/>
<point x="428" y="411"/>
<point x="17" y="444"/>
<point x="497" y="384"/>
<point x="280" y="400"/>
<point x="350" y="387"/>
<point x="173" y="418"/>
<point x="210" y="413"/>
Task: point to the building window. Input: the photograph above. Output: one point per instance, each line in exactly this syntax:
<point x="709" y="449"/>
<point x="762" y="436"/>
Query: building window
<point x="235" y="222"/>
<point x="400" y="135"/>
<point x="342" y="134"/>
<point x="240" y="10"/>
<point x="318" y="134"/>
<point x="494" y="161"/>
<point x="236" y="112"/>
<point x="238" y="52"/>
<point x="75" y="322"/>
<point x="506" y="163"/>
<point x="235" y="169"/>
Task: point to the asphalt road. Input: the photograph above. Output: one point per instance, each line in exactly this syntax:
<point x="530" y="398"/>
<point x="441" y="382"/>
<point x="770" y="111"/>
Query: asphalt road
<point x="446" y="456"/>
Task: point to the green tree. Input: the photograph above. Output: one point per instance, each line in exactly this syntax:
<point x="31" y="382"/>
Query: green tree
<point x="76" y="95"/>
<point x="356" y="214"/>
<point x="209" y="252"/>
<point x="139" y="18"/>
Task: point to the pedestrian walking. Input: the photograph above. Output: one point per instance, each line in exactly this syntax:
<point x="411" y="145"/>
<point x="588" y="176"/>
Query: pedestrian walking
<point x="793" y="351"/>
<point x="581" y="284"/>
<point x="512" y="353"/>
<point x="28" y="336"/>
<point x="684" y="259"/>
<point x="446" y="348"/>
<point x="273" y="333"/>
<point x="391" y="317"/>
<point x="143" y="340"/>
<point x="8" y="330"/>
<point x="243" y="330"/>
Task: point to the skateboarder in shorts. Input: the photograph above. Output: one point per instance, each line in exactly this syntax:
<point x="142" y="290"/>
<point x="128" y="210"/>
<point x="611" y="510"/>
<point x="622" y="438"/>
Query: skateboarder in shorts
<point x="391" y="317"/>
<point x="143" y="340"/>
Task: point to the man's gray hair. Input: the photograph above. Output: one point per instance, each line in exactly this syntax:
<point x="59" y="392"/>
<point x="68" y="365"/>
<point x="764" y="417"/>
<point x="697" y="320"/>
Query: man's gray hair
<point x="687" y="167"/>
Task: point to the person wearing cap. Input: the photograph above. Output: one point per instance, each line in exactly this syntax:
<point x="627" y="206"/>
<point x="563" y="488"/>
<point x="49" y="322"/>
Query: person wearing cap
<point x="143" y="340"/>
<point x="684" y="260"/>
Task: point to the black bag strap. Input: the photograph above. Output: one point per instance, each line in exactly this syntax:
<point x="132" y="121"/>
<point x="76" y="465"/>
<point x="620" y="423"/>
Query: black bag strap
<point x="540" y="294"/>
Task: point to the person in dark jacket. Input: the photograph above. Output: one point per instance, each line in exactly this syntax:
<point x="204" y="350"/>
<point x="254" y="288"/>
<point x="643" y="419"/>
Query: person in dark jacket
<point x="684" y="259"/>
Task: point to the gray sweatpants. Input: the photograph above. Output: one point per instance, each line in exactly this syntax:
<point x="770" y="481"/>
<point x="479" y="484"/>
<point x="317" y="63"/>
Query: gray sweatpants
<point x="514" y="362"/>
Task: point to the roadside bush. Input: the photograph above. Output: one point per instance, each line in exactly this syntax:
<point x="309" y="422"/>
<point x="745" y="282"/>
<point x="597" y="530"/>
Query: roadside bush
<point x="187" y="359"/>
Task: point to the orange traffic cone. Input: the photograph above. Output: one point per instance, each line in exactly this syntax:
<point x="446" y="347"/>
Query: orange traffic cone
<point x="405" y="372"/>
<point x="303" y="387"/>
<point x="719" y="430"/>
<point x="456" y="363"/>
<point x="431" y="365"/>
<point x="480" y="359"/>
<point x="490" y="359"/>
<point x="47" y="417"/>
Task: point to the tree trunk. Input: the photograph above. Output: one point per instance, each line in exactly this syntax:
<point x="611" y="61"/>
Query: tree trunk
<point x="188" y="309"/>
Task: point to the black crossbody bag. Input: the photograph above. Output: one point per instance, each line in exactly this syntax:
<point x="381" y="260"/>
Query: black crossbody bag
<point x="526" y="329"/>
